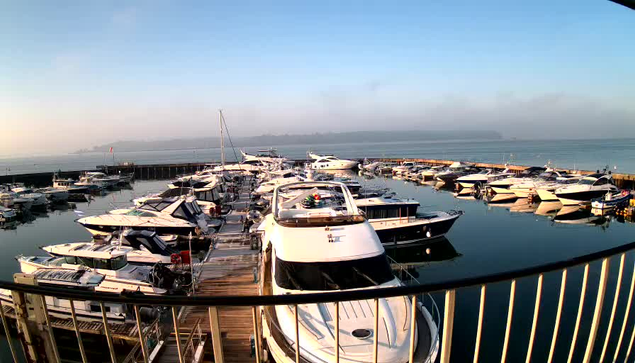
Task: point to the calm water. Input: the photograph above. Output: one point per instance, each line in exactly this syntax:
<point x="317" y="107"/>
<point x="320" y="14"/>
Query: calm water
<point x="485" y="240"/>
<point x="581" y="154"/>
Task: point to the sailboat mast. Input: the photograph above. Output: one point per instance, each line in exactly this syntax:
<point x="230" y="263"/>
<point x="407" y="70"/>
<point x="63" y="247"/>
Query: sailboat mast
<point x="222" y="139"/>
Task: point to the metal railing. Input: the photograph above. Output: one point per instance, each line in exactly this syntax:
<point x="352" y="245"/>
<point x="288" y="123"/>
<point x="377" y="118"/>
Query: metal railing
<point x="616" y="326"/>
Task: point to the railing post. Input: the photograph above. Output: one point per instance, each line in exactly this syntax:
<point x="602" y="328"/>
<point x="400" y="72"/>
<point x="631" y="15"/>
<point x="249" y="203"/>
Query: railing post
<point x="177" y="332"/>
<point x="297" y="334"/>
<point x="510" y="315"/>
<point x="337" y="332"/>
<point x="376" y="332"/>
<point x="479" y="325"/>
<point x="413" y="328"/>
<point x="534" y="323"/>
<point x="111" y="347"/>
<point x="254" y="314"/>
<point x="616" y="297"/>
<point x="585" y="279"/>
<point x="144" y="348"/>
<point x="8" y="333"/>
<point x="45" y="310"/>
<point x="79" y="335"/>
<point x="597" y="313"/>
<point x="448" y="325"/>
<point x="626" y="314"/>
<point x="554" y="338"/>
<point x="217" y="342"/>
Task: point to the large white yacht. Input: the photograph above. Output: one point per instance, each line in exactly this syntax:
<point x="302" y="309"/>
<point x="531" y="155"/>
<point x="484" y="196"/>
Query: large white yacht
<point x="177" y="216"/>
<point x="589" y="187"/>
<point x="483" y="177"/>
<point x="316" y="240"/>
<point x="268" y="156"/>
<point x="330" y="162"/>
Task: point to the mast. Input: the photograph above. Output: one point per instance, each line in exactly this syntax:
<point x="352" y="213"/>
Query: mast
<point x="222" y="140"/>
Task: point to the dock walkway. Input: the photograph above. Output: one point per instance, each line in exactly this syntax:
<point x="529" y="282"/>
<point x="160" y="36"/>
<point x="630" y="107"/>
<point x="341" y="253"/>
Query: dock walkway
<point x="230" y="268"/>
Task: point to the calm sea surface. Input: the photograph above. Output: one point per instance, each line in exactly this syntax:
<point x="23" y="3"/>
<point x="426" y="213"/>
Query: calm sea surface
<point x="581" y="154"/>
<point x="487" y="239"/>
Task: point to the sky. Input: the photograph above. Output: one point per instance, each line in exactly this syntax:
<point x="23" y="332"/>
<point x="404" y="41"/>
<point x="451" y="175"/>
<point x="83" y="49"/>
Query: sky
<point x="74" y="74"/>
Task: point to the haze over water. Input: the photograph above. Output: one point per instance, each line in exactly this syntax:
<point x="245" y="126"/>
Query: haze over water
<point x="580" y="154"/>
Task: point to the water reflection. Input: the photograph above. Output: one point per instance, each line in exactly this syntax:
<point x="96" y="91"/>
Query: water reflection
<point x="411" y="259"/>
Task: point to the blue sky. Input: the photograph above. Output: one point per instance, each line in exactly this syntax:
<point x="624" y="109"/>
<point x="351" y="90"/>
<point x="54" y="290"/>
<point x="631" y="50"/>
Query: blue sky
<point x="154" y="69"/>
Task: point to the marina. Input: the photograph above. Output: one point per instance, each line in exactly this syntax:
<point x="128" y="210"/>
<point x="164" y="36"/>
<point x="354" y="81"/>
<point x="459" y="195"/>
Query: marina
<point x="228" y="264"/>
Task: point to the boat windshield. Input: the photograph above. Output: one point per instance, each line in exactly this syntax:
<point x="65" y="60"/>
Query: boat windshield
<point x="587" y="181"/>
<point x="339" y="275"/>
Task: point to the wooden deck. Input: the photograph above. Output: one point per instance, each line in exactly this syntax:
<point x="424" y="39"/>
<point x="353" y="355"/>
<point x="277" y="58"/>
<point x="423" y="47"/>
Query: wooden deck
<point x="230" y="268"/>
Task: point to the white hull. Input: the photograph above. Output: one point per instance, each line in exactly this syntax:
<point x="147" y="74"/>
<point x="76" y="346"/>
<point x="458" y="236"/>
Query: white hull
<point x="547" y="195"/>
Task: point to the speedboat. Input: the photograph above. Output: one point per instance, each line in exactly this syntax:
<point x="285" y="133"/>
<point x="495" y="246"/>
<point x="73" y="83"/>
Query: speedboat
<point x="405" y="166"/>
<point x="275" y="179"/>
<point x="316" y="240"/>
<point x="482" y="178"/>
<point x="588" y="188"/>
<point x="330" y="162"/>
<point x="612" y="200"/>
<point x="268" y="156"/>
<point x="143" y="248"/>
<point x="38" y="200"/>
<point x="177" y="216"/>
<point x="397" y="222"/>
<point x="455" y="171"/>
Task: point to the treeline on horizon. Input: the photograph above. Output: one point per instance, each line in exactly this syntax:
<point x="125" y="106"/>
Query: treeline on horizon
<point x="286" y="139"/>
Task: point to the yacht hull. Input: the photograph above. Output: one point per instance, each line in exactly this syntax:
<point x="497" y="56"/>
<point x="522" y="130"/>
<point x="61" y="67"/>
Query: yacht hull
<point x="580" y="197"/>
<point x="399" y="231"/>
<point x="547" y="195"/>
<point x="96" y="229"/>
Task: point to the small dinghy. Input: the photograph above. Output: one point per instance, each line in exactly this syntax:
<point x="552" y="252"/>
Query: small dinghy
<point x="612" y="200"/>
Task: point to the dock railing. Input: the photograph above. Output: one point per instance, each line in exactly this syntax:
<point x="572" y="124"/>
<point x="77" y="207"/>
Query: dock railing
<point x="616" y="326"/>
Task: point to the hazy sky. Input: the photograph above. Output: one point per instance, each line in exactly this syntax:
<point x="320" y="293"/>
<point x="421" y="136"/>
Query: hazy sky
<point x="79" y="73"/>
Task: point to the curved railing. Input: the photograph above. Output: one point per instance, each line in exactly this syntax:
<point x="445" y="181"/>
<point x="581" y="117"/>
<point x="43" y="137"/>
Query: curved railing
<point x="448" y="288"/>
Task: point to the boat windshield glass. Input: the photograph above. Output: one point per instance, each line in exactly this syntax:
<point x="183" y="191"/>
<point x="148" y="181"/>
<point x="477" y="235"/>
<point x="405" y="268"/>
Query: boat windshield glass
<point x="338" y="275"/>
<point x="587" y="181"/>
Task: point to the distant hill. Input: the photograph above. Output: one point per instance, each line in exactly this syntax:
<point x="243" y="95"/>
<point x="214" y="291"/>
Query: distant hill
<point x="309" y="139"/>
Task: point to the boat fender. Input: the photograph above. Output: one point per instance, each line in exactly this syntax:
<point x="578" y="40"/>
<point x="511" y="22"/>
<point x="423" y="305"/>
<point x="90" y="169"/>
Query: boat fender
<point x="175" y="258"/>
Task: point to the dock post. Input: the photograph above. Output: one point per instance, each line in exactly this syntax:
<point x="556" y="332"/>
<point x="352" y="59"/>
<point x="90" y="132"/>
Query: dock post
<point x="29" y="329"/>
<point x="217" y="343"/>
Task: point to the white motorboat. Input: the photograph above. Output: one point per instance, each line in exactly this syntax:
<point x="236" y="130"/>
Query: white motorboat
<point x="330" y="162"/>
<point x="69" y="185"/>
<point x="177" y="216"/>
<point x="275" y="179"/>
<point x="316" y="240"/>
<point x="144" y="248"/>
<point x="404" y="167"/>
<point x="83" y="280"/>
<point x="397" y="222"/>
<point x="38" y="200"/>
<point x="482" y="178"/>
<point x="267" y="156"/>
<point x="453" y="172"/>
<point x="588" y="188"/>
<point x="430" y="174"/>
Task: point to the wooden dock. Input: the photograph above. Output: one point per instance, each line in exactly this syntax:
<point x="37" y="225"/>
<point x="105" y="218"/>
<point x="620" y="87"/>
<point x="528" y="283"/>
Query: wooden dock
<point x="230" y="268"/>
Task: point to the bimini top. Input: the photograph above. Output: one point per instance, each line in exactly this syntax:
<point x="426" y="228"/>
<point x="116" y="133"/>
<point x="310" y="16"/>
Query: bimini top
<point x="312" y="204"/>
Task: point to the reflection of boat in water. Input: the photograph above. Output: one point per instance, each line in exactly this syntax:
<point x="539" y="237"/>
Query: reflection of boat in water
<point x="423" y="253"/>
<point x="548" y="208"/>
<point x="523" y="205"/>
<point x="577" y="215"/>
